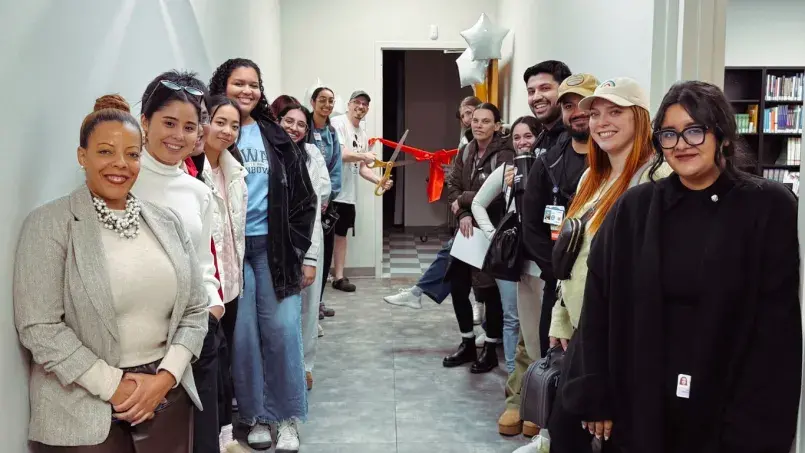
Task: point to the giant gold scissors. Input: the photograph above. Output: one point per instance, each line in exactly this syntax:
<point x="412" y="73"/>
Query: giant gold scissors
<point x="387" y="166"/>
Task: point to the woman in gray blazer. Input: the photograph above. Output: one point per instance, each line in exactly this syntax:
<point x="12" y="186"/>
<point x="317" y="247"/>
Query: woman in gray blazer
<point x="109" y="300"/>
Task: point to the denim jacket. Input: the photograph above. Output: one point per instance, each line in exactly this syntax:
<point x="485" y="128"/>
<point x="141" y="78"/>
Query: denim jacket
<point x="331" y="150"/>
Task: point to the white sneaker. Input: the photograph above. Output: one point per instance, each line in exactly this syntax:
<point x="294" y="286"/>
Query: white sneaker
<point x="287" y="437"/>
<point x="476" y="313"/>
<point x="539" y="444"/>
<point x="405" y="298"/>
<point x="320" y="331"/>
<point x="259" y="437"/>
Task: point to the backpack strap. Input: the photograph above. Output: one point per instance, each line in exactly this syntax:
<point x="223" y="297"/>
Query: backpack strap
<point x="639" y="173"/>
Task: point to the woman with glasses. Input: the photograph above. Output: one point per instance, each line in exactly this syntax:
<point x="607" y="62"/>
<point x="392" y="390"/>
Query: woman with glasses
<point x="109" y="300"/>
<point x="294" y="119"/>
<point x="692" y="295"/>
<point x="267" y="367"/>
<point x="171" y="122"/>
<point x="322" y="134"/>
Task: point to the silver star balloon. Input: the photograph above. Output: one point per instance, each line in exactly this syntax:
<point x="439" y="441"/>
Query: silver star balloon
<point x="485" y="38"/>
<point x="470" y="70"/>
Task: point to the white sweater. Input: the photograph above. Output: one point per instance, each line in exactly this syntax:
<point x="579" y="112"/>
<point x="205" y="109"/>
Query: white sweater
<point x="320" y="178"/>
<point x="169" y="186"/>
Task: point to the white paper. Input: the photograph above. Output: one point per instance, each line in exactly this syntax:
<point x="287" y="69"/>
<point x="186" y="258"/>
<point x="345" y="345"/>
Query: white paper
<point x="471" y="250"/>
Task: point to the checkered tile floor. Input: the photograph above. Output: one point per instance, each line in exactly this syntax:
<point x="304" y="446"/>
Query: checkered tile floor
<point x="405" y="255"/>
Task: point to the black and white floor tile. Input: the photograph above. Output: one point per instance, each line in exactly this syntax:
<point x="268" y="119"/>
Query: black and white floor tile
<point x="407" y="255"/>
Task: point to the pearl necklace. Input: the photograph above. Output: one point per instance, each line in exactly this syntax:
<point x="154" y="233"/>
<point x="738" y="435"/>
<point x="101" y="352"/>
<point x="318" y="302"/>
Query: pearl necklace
<point x="128" y="226"/>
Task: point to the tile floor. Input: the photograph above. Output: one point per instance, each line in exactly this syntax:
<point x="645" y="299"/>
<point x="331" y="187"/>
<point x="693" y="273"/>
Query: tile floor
<point x="406" y="255"/>
<point x="380" y="386"/>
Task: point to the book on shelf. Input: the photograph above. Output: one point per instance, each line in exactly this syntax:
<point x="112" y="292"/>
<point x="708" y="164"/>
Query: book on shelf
<point x="783" y="119"/>
<point x="787" y="177"/>
<point x="747" y="122"/>
<point x="784" y="88"/>
<point x="793" y="151"/>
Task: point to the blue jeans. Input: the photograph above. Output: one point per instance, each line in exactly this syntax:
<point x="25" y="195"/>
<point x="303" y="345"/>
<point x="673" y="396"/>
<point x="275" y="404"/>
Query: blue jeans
<point x="432" y="281"/>
<point x="268" y="371"/>
<point x="511" y="321"/>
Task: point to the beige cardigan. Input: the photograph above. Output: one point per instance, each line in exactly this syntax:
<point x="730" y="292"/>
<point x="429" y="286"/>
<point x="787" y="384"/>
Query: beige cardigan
<point x="65" y="317"/>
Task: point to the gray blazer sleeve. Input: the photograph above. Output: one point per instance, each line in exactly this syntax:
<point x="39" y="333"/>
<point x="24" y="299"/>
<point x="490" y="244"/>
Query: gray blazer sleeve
<point x="39" y="271"/>
<point x="193" y="325"/>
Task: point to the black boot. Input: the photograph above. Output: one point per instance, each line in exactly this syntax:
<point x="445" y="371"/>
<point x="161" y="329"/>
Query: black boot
<point x="488" y="359"/>
<point x="465" y="354"/>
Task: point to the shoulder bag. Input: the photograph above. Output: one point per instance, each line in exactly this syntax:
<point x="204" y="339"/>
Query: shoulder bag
<point x="503" y="258"/>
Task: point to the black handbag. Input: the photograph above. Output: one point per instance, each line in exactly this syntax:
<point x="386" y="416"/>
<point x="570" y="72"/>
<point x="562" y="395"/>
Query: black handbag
<point x="503" y="259"/>
<point x="328" y="218"/>
<point x="568" y="244"/>
<point x="538" y="390"/>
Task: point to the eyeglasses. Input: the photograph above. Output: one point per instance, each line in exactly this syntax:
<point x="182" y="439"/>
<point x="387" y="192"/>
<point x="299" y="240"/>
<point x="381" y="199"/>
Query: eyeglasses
<point x="693" y="136"/>
<point x="174" y="87"/>
<point x="361" y="103"/>
<point x="288" y="121"/>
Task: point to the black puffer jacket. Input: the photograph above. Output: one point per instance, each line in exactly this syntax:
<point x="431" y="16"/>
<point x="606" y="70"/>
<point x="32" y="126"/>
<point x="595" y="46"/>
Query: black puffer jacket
<point x="291" y="206"/>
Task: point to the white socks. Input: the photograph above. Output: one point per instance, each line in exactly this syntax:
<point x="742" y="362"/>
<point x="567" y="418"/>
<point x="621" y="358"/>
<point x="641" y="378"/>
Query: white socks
<point x="225" y="438"/>
<point x="416" y="291"/>
<point x="468" y="335"/>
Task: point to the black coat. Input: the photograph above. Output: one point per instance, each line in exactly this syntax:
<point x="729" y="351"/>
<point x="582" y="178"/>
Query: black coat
<point x="747" y="359"/>
<point x="291" y="209"/>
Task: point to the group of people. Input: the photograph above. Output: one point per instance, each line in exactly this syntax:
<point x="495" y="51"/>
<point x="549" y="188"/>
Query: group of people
<point x="654" y="261"/>
<point x="182" y="280"/>
<point x="186" y="274"/>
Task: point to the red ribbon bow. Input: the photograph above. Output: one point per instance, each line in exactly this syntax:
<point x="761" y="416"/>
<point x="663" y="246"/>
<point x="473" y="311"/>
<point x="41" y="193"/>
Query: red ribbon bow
<point x="436" y="159"/>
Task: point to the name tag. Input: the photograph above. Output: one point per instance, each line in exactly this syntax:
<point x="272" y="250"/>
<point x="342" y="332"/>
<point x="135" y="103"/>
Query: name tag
<point x="317" y="136"/>
<point x="683" y="386"/>
<point x="554" y="215"/>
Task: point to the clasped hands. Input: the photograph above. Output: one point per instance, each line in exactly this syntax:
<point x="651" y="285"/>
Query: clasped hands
<point x="138" y="395"/>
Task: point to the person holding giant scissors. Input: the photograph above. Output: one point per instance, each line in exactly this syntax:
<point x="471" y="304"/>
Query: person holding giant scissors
<point x="357" y="160"/>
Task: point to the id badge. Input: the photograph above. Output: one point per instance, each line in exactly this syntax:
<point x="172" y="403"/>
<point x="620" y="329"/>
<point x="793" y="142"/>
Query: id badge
<point x="554" y="215"/>
<point x="317" y="136"/>
<point x="683" y="386"/>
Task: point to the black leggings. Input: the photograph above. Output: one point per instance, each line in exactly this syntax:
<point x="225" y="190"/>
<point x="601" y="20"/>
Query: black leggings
<point x="461" y="285"/>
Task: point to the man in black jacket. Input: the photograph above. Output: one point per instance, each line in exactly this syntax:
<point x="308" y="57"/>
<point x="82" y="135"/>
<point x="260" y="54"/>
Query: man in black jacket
<point x="551" y="184"/>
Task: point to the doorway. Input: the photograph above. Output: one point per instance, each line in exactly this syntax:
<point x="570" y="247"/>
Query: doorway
<point x="421" y="93"/>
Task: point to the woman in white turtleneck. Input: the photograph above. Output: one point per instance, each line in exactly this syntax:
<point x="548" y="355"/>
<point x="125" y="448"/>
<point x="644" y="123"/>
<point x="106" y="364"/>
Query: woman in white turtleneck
<point x="171" y="114"/>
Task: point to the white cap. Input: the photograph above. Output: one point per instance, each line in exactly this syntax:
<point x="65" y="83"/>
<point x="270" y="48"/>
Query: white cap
<point x="622" y="91"/>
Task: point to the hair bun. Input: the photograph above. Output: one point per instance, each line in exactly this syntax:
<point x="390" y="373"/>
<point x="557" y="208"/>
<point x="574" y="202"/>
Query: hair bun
<point x="112" y="101"/>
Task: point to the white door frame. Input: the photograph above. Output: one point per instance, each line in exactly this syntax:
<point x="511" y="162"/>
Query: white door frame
<point x="377" y="117"/>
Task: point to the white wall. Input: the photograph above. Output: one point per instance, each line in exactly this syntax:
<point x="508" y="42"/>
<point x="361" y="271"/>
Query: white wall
<point x="57" y="58"/>
<point x="607" y="39"/>
<point x="765" y="33"/>
<point x="337" y="41"/>
<point x="432" y="95"/>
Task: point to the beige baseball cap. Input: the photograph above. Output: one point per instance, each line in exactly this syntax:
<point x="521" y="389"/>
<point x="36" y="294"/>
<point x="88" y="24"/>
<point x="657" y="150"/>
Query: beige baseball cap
<point x="581" y="84"/>
<point x="622" y="91"/>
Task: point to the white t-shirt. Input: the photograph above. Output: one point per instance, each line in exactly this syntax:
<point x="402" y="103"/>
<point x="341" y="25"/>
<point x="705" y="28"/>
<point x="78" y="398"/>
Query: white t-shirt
<point x="355" y="140"/>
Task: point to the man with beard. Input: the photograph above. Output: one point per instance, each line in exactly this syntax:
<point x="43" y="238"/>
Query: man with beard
<point x="542" y="83"/>
<point x="355" y="156"/>
<point x="551" y="185"/>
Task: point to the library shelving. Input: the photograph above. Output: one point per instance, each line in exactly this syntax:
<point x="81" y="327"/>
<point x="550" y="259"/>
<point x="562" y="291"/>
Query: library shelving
<point x="768" y="102"/>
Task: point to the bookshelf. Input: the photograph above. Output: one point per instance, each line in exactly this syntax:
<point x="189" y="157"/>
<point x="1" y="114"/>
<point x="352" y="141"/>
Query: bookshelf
<point x="768" y="102"/>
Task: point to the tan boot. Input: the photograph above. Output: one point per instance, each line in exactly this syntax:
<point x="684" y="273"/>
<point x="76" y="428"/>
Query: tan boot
<point x="309" y="379"/>
<point x="509" y="423"/>
<point x="530" y="429"/>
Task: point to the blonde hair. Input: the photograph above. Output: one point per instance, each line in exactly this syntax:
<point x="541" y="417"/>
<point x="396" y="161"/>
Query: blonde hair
<point x="600" y="169"/>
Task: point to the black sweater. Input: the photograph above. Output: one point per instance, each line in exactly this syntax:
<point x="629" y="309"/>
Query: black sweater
<point x="730" y="319"/>
<point x="566" y="166"/>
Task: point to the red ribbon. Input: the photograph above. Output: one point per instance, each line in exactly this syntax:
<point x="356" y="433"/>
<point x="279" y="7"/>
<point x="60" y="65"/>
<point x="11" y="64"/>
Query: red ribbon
<point x="436" y="159"/>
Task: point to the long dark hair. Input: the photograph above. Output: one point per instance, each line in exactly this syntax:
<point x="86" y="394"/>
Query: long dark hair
<point x="220" y="77"/>
<point x="216" y="102"/>
<point x="708" y="106"/>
